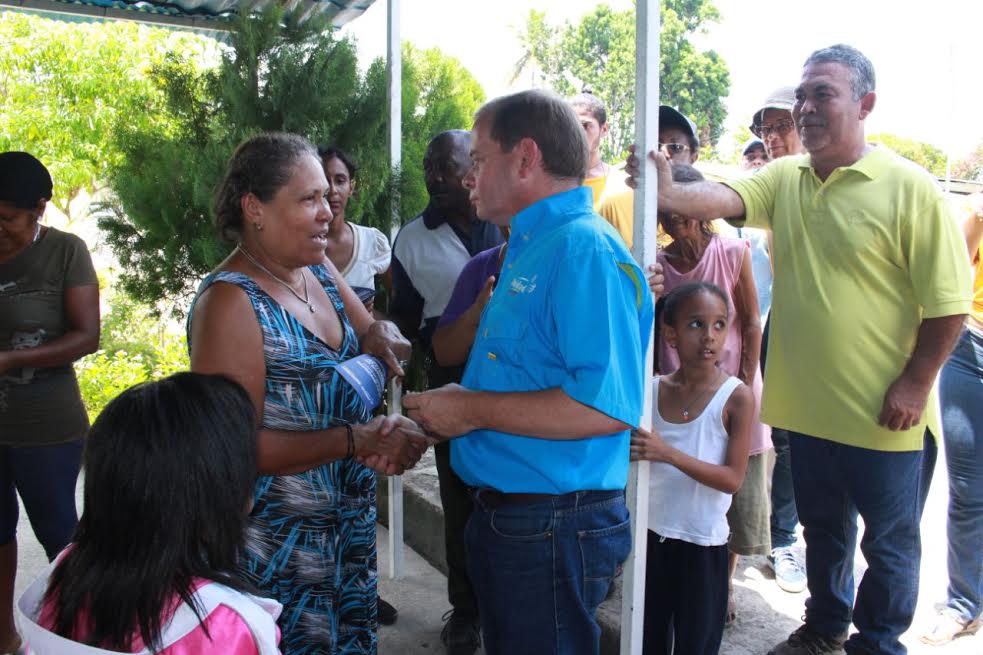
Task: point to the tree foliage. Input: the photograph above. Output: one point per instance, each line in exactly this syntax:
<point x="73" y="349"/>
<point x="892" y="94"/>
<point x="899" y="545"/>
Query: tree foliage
<point x="924" y="154"/>
<point x="65" y="86"/>
<point x="276" y="75"/>
<point x="599" y="53"/>
<point x="970" y="168"/>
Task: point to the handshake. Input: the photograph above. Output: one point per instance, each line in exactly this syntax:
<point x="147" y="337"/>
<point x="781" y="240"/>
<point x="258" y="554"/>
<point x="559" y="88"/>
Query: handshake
<point x="389" y="444"/>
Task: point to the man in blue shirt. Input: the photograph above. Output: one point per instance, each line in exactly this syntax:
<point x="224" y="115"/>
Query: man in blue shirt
<point x="553" y="385"/>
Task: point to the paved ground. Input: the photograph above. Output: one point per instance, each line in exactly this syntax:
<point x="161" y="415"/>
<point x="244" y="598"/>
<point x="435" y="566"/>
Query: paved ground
<point x="766" y="613"/>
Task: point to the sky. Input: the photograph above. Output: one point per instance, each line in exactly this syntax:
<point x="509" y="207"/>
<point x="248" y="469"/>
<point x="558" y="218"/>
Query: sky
<point x="927" y="55"/>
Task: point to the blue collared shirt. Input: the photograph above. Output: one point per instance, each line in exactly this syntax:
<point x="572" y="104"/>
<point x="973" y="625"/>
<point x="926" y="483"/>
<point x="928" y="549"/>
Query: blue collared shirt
<point x="572" y="310"/>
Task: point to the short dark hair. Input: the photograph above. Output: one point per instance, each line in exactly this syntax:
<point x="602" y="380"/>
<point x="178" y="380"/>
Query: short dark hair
<point x="675" y="299"/>
<point x="546" y="119"/>
<point x="591" y="103"/>
<point x="170" y="467"/>
<point x="260" y="165"/>
<point x="331" y="152"/>
<point x="24" y="180"/>
<point x="686" y="174"/>
<point x="862" y="70"/>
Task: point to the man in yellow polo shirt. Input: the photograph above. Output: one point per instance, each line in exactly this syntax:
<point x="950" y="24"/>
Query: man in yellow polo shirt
<point x="870" y="294"/>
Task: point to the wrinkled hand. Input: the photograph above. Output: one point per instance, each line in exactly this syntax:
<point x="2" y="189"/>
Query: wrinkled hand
<point x="647" y="446"/>
<point x="390" y="444"/>
<point x="657" y="281"/>
<point x="904" y="403"/>
<point x="384" y="340"/>
<point x="442" y="413"/>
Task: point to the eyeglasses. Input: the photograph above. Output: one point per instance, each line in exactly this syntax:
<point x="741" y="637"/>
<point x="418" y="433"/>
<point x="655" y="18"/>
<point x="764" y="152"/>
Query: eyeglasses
<point x="781" y="128"/>
<point x="670" y="149"/>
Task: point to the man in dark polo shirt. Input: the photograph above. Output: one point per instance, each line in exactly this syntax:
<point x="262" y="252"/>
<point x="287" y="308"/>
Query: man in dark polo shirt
<point x="428" y="256"/>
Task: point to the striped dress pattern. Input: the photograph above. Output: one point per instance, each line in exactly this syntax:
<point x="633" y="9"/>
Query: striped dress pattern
<point x="311" y="538"/>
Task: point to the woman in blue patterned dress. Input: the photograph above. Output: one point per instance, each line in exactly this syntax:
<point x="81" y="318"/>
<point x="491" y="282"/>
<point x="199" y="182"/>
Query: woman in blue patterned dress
<point x="276" y="317"/>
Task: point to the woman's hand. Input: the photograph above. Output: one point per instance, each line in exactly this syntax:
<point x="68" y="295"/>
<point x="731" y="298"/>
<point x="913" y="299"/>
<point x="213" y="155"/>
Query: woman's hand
<point x="648" y="446"/>
<point x="657" y="280"/>
<point x="384" y="340"/>
<point x="390" y="444"/>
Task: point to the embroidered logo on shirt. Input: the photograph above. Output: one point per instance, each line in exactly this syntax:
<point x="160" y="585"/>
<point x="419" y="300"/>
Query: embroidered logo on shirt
<point x="523" y="285"/>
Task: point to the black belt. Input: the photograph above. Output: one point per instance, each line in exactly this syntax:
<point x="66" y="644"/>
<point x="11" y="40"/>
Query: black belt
<point x="493" y="498"/>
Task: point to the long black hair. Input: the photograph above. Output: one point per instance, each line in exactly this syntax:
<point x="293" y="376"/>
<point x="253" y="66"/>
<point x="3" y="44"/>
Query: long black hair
<point x="170" y="468"/>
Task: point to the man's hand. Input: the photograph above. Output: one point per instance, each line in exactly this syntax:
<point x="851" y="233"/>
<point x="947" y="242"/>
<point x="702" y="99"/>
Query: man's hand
<point x="657" y="281"/>
<point x="904" y="403"/>
<point x="390" y="444"/>
<point x="6" y="361"/>
<point x="484" y="296"/>
<point x="664" y="175"/>
<point x="443" y="413"/>
<point x="384" y="340"/>
<point x="647" y="446"/>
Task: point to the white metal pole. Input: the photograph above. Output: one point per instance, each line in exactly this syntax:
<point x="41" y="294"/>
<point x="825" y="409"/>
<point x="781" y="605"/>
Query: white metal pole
<point x="394" y="77"/>
<point x="644" y="249"/>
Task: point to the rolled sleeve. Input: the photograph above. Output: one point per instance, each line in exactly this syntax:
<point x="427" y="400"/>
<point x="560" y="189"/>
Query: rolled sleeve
<point x="603" y="316"/>
<point x="758" y="194"/>
<point x="939" y="267"/>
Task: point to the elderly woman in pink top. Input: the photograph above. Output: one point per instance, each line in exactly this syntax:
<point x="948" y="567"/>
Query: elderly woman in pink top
<point x="697" y="254"/>
<point x="170" y="468"/>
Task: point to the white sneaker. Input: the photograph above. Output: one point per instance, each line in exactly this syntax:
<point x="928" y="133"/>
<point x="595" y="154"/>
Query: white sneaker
<point x="789" y="572"/>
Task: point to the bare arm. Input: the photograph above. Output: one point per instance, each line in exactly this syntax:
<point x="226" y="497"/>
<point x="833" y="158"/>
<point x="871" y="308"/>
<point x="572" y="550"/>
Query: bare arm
<point x="973" y="226"/>
<point x="905" y="399"/>
<point x="226" y="339"/>
<point x="377" y="337"/>
<point x="81" y="306"/>
<point x="452" y="411"/>
<point x="746" y="307"/>
<point x="698" y="199"/>
<point x="727" y="477"/>
<point x="452" y="342"/>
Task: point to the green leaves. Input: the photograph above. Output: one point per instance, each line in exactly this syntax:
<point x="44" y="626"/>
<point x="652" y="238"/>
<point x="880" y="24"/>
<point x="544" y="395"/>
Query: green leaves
<point x="273" y="76"/>
<point x="925" y="155"/>
<point x="599" y="53"/>
<point x="65" y="87"/>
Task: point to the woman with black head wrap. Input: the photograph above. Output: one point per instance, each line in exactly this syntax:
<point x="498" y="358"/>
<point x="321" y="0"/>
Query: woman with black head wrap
<point x="49" y="317"/>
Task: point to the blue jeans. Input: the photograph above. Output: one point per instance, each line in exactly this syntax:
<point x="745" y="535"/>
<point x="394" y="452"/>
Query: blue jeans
<point x="45" y="477"/>
<point x="784" y="516"/>
<point x="961" y="389"/>
<point x="833" y="484"/>
<point x="539" y="571"/>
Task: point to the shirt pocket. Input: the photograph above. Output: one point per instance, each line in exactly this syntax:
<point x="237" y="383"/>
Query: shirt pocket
<point x="503" y="340"/>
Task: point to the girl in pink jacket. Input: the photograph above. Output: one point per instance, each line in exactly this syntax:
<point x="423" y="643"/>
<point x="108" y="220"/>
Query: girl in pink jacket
<point x="169" y="474"/>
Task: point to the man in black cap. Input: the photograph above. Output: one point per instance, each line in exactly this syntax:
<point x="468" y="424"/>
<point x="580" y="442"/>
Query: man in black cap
<point x="679" y="141"/>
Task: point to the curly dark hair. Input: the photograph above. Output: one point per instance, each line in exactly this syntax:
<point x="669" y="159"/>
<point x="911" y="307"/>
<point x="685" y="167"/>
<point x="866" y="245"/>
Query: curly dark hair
<point x="261" y="166"/>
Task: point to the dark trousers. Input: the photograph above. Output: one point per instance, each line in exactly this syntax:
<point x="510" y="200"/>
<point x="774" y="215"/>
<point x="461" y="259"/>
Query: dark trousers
<point x="834" y="483"/>
<point x="541" y="570"/>
<point x="685" y="597"/>
<point x="45" y="477"/>
<point x="457" y="504"/>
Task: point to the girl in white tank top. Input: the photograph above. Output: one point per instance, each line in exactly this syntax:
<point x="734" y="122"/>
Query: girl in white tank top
<point x="698" y="447"/>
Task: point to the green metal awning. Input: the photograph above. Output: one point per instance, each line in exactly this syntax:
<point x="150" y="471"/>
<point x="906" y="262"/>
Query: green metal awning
<point x="201" y="14"/>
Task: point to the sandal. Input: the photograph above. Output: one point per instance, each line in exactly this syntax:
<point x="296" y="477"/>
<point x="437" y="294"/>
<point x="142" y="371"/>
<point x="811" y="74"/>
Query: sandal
<point x="948" y="625"/>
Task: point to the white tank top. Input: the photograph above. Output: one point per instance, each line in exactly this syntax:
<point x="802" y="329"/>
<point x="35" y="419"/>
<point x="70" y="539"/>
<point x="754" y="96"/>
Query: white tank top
<point x="679" y="506"/>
